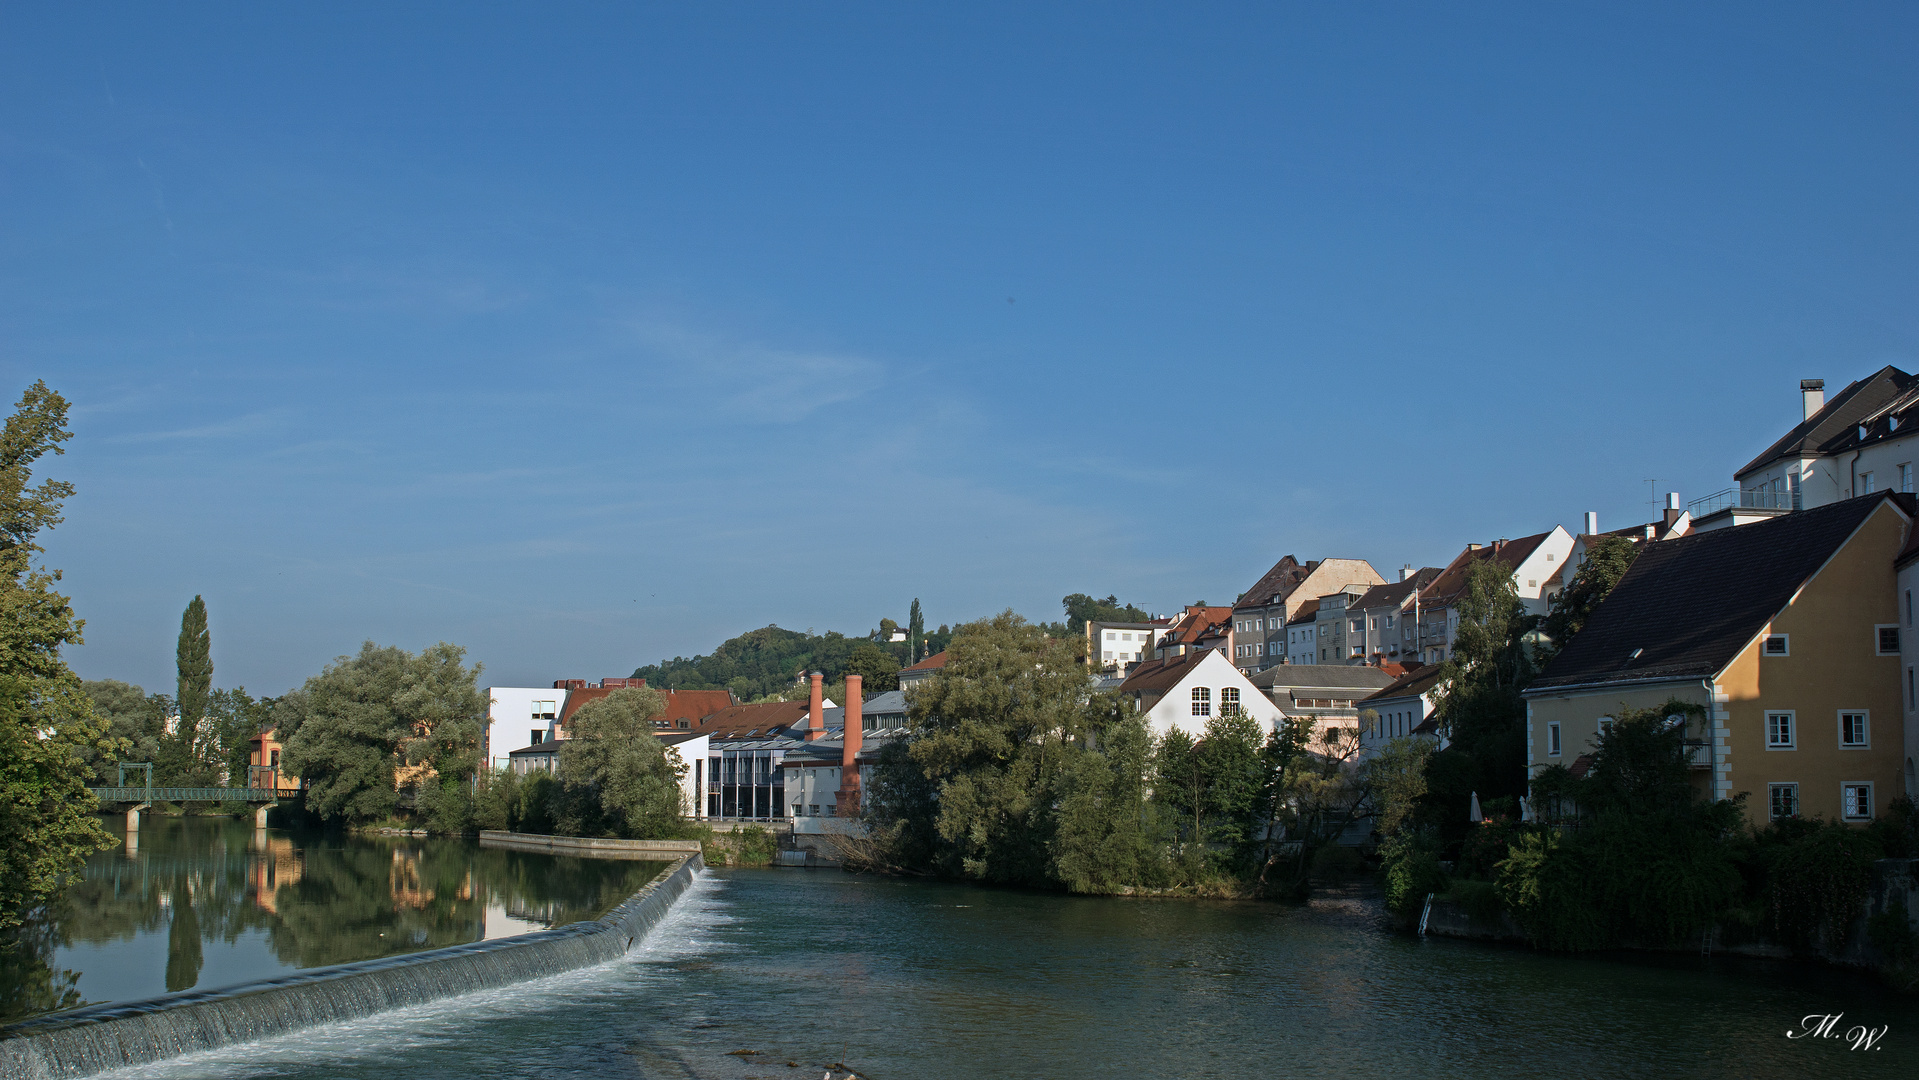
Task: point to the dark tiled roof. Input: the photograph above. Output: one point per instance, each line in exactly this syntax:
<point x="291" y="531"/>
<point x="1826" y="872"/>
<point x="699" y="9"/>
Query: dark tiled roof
<point x="1153" y="676"/>
<point x="1452" y="581"/>
<point x="1414" y="682"/>
<point x="1341" y="676"/>
<point x="1835" y="428"/>
<point x="1689" y="605"/>
<point x="550" y="746"/>
<point x="1280" y="581"/>
<point x="1395" y="593"/>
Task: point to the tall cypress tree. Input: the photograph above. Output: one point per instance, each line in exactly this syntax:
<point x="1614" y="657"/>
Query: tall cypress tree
<point x="194" y="658"/>
<point x="915" y="633"/>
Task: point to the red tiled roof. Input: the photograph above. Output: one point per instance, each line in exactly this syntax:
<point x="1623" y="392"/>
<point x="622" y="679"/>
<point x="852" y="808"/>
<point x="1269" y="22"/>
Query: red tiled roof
<point x="1161" y="675"/>
<point x="931" y="663"/>
<point x="1508" y="553"/>
<point x="688" y="705"/>
<point x="739" y="719"/>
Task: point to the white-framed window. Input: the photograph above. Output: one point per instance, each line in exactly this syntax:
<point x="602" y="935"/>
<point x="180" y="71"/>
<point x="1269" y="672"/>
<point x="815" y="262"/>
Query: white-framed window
<point x="1855" y="800"/>
<point x="1905" y="477"/>
<point x="1865" y="483"/>
<point x="1778" y="645"/>
<point x="1552" y="739"/>
<point x="1782" y="800"/>
<point x="1229" y="701"/>
<point x="1780" y="731"/>
<point x="1106" y="654"/>
<point x="1202" y="701"/>
<point x="545" y="710"/>
<point x="1605" y="726"/>
<point x="1389" y="621"/>
<point x="1886" y="637"/>
<point x="1111" y="636"/>
<point x="1357" y="650"/>
<point x="1855" y="729"/>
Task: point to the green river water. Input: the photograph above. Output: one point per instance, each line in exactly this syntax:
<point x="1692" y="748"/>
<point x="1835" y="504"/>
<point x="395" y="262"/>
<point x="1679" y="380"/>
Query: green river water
<point x="916" y="979"/>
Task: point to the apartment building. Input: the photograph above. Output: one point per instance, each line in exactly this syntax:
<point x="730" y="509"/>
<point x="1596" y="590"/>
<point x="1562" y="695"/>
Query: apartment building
<point x="1264" y="613"/>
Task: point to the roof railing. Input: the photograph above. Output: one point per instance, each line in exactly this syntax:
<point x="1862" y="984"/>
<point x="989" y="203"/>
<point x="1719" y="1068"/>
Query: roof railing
<point x="1742" y="498"/>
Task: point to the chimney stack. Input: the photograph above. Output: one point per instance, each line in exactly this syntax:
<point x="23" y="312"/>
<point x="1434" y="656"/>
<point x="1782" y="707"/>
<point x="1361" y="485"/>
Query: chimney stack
<point x="1406" y="571"/>
<point x="816" y="712"/>
<point x="1592" y="523"/>
<point x="1672" y="508"/>
<point x="1812" y="394"/>
<point x="849" y="794"/>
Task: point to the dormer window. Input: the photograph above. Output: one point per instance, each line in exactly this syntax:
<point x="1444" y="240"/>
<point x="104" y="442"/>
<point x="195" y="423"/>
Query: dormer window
<point x="1862" y="431"/>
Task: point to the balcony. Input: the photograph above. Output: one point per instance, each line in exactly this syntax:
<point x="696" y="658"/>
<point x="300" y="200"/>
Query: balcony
<point x="1743" y="499"/>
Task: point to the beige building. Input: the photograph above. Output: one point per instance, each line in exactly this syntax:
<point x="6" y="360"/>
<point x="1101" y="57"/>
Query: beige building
<point x="1787" y="630"/>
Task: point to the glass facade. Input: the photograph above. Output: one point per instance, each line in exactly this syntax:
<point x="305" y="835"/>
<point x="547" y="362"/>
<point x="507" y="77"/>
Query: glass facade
<point x="745" y="783"/>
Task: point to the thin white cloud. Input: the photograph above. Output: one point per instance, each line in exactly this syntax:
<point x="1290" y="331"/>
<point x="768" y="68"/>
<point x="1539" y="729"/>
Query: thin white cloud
<point x="249" y="424"/>
<point x="760" y="384"/>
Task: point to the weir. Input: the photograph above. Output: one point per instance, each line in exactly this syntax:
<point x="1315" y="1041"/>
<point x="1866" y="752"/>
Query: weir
<point x="84" y="1041"/>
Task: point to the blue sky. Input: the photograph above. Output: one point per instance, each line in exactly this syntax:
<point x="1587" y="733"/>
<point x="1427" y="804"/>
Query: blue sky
<point x="587" y="335"/>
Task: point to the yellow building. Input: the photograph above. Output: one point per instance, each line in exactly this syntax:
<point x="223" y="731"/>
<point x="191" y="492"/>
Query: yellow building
<point x="1786" y="630"/>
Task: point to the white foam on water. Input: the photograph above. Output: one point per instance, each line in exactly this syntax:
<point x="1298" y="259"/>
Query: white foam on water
<point x="685" y="931"/>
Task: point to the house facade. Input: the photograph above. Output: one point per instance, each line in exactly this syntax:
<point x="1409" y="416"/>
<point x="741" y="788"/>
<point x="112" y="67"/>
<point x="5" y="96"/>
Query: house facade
<point x="1378" y="627"/>
<point x="1262" y="616"/>
<point x="1337" y="627"/>
<point x="1788" y="632"/>
<point x="1187" y="690"/>
<point x="1326" y="694"/>
<point x="1401" y="709"/>
<point x="1864" y="440"/>
<point x="1534" y="563"/>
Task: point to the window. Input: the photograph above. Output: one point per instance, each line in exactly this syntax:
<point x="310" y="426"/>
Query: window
<point x="535" y="737"/>
<point x="1532" y="583"/>
<point x="1778" y="644"/>
<point x="1855" y="730"/>
<point x="1855" y="801"/>
<point x="1229" y="701"/>
<point x="1908" y="607"/>
<point x="1552" y="740"/>
<point x="1605" y="726"/>
<point x="1888" y="640"/>
<point x="1389" y="622"/>
<point x="1779" y="733"/>
<point x="543" y="710"/>
<point x="1783" y="800"/>
<point x="1905" y="477"/>
<point x="1357" y="625"/>
<point x="276" y="759"/>
<point x="1110" y="636"/>
<point x="1865" y="483"/>
<point x="1202" y="701"/>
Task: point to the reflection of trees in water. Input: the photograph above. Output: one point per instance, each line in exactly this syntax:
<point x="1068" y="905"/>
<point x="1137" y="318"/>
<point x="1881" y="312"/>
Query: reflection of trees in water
<point x="29" y="983"/>
<point x="320" y="900"/>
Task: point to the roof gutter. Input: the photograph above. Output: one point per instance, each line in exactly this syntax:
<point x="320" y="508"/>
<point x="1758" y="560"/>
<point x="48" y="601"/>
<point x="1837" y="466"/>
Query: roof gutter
<point x="1531" y="692"/>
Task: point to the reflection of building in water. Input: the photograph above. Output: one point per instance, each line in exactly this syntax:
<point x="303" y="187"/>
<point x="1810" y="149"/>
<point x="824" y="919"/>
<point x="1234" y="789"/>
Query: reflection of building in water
<point x="271" y="868"/>
<point x="403" y="878"/>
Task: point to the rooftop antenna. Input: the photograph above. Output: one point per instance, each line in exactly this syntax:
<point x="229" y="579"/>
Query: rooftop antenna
<point x="1652" y="495"/>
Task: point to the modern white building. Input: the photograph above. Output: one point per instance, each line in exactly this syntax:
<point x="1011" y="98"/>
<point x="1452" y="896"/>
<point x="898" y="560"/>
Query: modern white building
<point x="1186" y="691"/>
<point x="1865" y="439"/>
<point x="518" y="716"/>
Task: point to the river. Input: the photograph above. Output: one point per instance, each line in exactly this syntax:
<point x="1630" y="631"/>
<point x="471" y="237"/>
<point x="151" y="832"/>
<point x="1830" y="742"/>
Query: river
<point x="905" y="978"/>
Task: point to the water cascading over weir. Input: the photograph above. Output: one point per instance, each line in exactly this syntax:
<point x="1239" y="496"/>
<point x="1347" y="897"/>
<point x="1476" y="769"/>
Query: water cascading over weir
<point x="81" y="1042"/>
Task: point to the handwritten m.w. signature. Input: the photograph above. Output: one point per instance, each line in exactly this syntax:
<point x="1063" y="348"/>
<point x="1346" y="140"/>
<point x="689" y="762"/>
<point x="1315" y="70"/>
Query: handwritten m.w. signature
<point x="1826" y="1026"/>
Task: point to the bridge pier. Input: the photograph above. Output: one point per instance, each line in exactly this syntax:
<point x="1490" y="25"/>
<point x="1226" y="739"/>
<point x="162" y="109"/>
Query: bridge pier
<point x="133" y="819"/>
<point x="260" y="816"/>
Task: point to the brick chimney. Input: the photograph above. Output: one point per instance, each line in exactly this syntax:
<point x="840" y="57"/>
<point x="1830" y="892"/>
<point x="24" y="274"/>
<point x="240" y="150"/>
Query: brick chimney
<point x="849" y="795"/>
<point x="816" y="713"/>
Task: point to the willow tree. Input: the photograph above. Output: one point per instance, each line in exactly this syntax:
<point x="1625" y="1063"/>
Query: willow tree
<point x="47" y="726"/>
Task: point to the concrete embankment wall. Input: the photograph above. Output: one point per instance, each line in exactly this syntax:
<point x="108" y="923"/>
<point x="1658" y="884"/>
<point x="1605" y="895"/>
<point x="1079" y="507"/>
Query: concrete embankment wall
<point x="81" y="1042"/>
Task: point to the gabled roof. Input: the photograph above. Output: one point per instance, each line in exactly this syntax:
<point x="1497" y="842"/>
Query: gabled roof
<point x="1340" y="676"/>
<point x="1507" y="553"/>
<point x="763" y="717"/>
<point x="1308" y="611"/>
<point x="931" y="663"/>
<point x="1198" y="624"/>
<point x="1688" y="606"/>
<point x="1395" y="593"/>
<point x="1280" y="581"/>
<point x="1834" y="429"/>
<point x="1159" y="676"/>
<point x="688" y="705"/>
<point x="1413" y="683"/>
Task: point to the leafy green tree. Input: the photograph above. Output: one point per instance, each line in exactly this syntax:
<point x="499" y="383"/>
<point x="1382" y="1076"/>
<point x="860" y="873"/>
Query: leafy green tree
<point x="135" y="725"/>
<point x="1102" y="841"/>
<point x="348" y="729"/>
<point x="996" y="727"/>
<point x="1607" y="560"/>
<point x="234" y="717"/>
<point x="193" y="657"/>
<point x="877" y="668"/>
<point x="618" y="778"/>
<point x="1180" y="789"/>
<point x="1478" y="704"/>
<point x="1312" y="790"/>
<point x="1082" y="609"/>
<point x="47" y="726"/>
<point x="759" y="664"/>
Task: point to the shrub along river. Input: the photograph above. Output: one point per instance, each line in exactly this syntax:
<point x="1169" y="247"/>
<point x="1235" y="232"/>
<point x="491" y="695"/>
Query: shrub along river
<point x="905" y="978"/>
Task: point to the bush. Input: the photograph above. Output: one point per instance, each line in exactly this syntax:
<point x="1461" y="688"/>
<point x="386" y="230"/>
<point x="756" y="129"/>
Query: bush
<point x="1890" y="932"/>
<point x="1546" y="884"/>
<point x="1481" y="900"/>
<point x="1410" y="863"/>
<point x="1817" y="874"/>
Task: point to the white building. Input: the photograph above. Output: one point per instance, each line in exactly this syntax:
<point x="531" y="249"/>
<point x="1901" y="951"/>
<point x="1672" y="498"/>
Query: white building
<point x="518" y="716"/>
<point x="1865" y="439"/>
<point x="1186" y="691"/>
<point x="1402" y="709"/>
